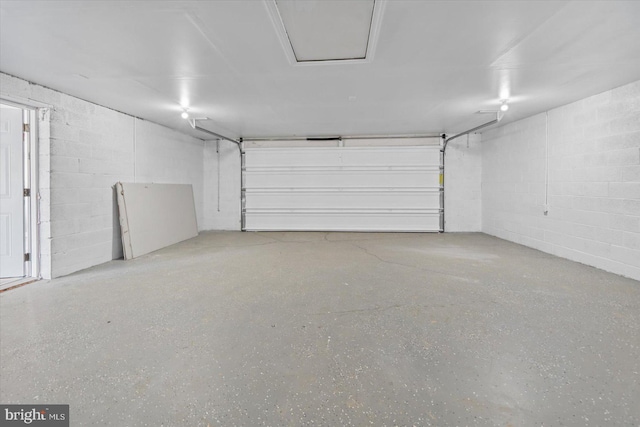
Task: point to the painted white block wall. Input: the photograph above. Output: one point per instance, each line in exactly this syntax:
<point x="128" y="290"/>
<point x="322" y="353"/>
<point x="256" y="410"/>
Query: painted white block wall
<point x="221" y="186"/>
<point x="89" y="149"/>
<point x="462" y="184"/>
<point x="593" y="187"/>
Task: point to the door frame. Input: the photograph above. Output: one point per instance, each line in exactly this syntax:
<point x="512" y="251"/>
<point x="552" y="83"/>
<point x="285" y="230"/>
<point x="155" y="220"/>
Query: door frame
<point x="34" y="113"/>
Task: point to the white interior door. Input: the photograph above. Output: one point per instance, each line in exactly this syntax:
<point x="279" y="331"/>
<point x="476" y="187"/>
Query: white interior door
<point x="342" y="188"/>
<point x="11" y="193"/>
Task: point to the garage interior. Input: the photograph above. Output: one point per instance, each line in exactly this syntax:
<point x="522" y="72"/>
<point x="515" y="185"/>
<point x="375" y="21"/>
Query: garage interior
<point x="407" y="212"/>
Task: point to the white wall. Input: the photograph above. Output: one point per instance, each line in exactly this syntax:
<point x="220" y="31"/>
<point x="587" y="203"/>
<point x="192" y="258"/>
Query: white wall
<point x="462" y="184"/>
<point x="221" y="186"/>
<point x="593" y="188"/>
<point x="91" y="148"/>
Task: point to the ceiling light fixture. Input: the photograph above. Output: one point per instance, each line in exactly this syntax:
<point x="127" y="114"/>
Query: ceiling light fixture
<point x="504" y="106"/>
<point x="184" y="114"/>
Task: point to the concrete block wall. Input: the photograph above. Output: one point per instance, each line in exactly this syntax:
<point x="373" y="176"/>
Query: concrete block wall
<point x="593" y="188"/>
<point x="221" y="186"/>
<point x="462" y="184"/>
<point x="90" y="151"/>
<point x="84" y="150"/>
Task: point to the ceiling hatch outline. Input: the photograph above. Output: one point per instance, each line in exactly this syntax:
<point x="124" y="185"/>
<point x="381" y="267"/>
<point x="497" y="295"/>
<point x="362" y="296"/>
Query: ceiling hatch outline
<point x="287" y="46"/>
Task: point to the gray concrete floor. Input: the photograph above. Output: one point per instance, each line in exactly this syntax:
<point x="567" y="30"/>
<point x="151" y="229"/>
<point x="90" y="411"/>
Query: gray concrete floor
<point x="329" y="329"/>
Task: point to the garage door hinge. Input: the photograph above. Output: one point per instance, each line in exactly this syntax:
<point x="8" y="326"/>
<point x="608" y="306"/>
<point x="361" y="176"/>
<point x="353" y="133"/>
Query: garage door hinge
<point x="27" y="192"/>
<point x="27" y="257"/>
<point x="26" y="127"/>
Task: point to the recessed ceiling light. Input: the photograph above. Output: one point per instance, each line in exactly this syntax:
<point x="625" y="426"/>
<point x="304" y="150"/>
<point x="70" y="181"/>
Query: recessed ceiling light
<point x="184" y="114"/>
<point x="504" y="106"/>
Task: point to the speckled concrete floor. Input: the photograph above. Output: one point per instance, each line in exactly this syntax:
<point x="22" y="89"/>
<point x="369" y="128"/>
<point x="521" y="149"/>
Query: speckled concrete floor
<point x="329" y="329"/>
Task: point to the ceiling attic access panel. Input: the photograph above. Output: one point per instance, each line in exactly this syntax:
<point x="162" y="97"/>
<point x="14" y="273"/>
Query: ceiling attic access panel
<point x="326" y="30"/>
<point x="351" y="188"/>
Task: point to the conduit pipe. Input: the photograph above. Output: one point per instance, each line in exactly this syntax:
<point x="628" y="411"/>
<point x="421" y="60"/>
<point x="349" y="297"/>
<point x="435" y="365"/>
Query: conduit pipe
<point x="499" y="115"/>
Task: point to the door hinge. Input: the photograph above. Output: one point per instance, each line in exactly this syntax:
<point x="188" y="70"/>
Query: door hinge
<point x="27" y="257"/>
<point x="26" y="127"/>
<point x="27" y="192"/>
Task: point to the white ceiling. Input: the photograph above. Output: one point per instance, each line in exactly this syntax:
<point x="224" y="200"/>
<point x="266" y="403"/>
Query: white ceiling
<point x="434" y="66"/>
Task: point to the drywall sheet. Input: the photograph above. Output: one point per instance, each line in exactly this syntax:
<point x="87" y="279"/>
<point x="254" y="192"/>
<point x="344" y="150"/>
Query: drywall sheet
<point x="153" y="216"/>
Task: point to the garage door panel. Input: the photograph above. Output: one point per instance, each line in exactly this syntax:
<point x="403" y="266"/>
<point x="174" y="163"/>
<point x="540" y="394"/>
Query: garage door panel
<point x="342" y="188"/>
<point x="353" y="156"/>
<point x="337" y="221"/>
<point x="340" y="179"/>
<point x="344" y="199"/>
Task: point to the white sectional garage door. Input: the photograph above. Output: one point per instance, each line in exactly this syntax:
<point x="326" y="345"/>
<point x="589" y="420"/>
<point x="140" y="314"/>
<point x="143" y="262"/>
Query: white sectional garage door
<point x="342" y="188"/>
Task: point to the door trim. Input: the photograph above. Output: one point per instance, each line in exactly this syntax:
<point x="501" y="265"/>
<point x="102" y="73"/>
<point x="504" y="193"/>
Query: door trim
<point x="34" y="113"/>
